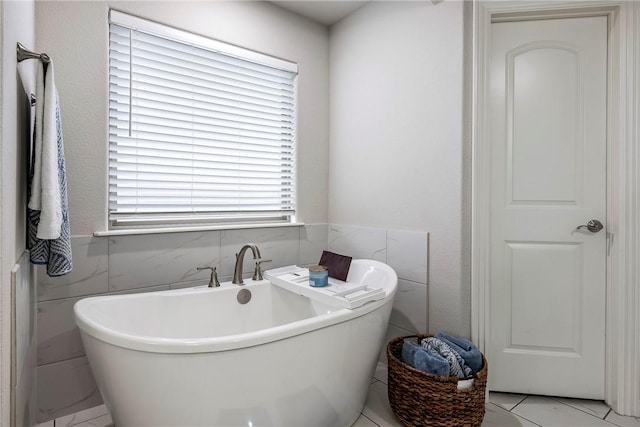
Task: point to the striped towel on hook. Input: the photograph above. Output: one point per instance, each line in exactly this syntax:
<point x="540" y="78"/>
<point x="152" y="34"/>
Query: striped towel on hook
<point x="49" y="235"/>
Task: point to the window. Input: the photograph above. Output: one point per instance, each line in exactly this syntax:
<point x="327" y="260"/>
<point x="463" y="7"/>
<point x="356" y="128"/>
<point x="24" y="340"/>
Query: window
<point x="199" y="131"/>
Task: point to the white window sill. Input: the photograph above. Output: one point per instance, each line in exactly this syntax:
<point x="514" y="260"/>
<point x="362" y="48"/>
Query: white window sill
<point x="135" y="231"/>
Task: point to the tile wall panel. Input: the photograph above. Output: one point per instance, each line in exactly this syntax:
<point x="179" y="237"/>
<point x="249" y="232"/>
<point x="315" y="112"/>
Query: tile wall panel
<point x="90" y="273"/>
<point x="24" y="310"/>
<point x="25" y="390"/>
<point x="137" y="261"/>
<point x="407" y="253"/>
<point x="65" y="388"/>
<point x="314" y="239"/>
<point x="358" y="242"/>
<point x="23" y="358"/>
<point x="58" y="335"/>
<point x="410" y="307"/>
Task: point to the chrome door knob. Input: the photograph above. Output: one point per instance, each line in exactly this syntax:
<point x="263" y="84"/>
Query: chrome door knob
<point x="593" y="226"/>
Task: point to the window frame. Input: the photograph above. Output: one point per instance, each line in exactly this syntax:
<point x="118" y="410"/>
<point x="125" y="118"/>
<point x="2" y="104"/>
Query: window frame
<point x="208" y="219"/>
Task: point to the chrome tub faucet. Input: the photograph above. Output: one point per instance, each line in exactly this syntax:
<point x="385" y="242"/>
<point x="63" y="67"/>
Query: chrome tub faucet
<point x="237" y="271"/>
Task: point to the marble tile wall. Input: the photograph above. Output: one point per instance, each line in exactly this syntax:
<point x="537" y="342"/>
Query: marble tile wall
<point x="65" y="387"/>
<point x="407" y="253"/>
<point x="23" y="352"/>
<point x="139" y="263"/>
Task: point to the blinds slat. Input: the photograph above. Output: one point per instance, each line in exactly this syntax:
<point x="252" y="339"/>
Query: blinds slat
<point x="284" y="146"/>
<point x="210" y="115"/>
<point x="196" y="101"/>
<point x="193" y="143"/>
<point x="144" y="75"/>
<point x="219" y="148"/>
<point x="173" y="125"/>
<point x="119" y="97"/>
<point x="190" y="157"/>
<point x="228" y="124"/>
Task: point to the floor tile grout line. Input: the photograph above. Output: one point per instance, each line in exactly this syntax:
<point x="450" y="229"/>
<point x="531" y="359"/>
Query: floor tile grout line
<point x="82" y="422"/>
<point x="63" y="360"/>
<point x="607" y="414"/>
<point x="613" y="423"/>
<point x="552" y="398"/>
<point x="370" y="420"/>
<point x="524" y="418"/>
<point x="517" y="415"/>
<point x="516" y="405"/>
<point x="531" y="421"/>
<point x="555" y="398"/>
<point x="534" y="423"/>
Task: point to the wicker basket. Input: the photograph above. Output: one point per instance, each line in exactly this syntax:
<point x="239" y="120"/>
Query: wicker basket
<point x="418" y="398"/>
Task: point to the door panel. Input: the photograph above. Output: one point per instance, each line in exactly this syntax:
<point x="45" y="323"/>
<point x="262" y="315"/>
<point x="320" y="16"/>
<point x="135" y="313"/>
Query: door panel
<point x="557" y="288"/>
<point x="543" y="83"/>
<point x="548" y="154"/>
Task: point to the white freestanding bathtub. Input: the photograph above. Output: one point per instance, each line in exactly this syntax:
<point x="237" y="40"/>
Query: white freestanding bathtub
<point x="197" y="357"/>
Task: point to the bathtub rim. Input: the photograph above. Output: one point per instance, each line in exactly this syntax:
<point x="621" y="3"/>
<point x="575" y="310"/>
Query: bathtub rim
<point x="224" y="343"/>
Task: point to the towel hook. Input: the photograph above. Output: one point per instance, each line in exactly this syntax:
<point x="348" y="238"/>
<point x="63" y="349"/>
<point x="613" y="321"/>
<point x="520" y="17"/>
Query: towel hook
<point x="24" y="53"/>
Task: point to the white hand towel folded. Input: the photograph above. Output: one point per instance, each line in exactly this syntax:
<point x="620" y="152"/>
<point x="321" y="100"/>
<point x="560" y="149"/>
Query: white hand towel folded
<point x="49" y="232"/>
<point x="45" y="189"/>
<point x="36" y="168"/>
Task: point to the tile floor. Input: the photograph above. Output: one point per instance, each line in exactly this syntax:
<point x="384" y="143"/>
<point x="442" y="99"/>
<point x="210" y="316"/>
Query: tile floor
<point x="503" y="410"/>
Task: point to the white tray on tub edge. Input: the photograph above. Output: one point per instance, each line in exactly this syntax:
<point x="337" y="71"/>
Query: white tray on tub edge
<point x="343" y="294"/>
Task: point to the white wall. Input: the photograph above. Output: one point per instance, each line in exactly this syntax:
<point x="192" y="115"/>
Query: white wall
<point x="17" y="25"/>
<point x="396" y="136"/>
<point x="75" y="34"/>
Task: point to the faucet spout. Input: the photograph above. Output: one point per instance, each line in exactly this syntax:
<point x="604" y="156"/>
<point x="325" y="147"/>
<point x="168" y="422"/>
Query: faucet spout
<point x="237" y="271"/>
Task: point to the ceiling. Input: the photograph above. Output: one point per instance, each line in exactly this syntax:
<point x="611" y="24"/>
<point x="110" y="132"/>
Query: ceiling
<point x="324" y="12"/>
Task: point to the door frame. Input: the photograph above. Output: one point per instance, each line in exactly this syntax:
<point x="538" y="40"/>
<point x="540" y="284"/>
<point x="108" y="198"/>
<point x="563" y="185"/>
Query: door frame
<point x="622" y="348"/>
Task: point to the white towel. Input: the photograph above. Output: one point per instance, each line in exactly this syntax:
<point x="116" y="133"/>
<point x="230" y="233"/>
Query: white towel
<point x="45" y="189"/>
<point x="49" y="231"/>
<point x="36" y="164"/>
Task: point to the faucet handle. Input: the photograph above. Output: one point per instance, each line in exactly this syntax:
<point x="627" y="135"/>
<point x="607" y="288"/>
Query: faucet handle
<point x="213" y="280"/>
<point x="257" y="273"/>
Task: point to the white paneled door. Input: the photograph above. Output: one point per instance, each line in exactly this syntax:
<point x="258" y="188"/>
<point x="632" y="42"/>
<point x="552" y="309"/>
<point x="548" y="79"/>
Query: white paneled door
<point x="548" y="94"/>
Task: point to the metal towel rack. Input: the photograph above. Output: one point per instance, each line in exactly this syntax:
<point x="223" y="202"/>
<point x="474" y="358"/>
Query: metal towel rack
<point x="24" y="53"/>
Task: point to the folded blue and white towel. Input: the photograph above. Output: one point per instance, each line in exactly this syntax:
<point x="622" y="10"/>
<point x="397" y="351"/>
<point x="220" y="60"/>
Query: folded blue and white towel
<point x="49" y="235"/>
<point x="457" y="365"/>
<point x="425" y="360"/>
<point x="466" y="349"/>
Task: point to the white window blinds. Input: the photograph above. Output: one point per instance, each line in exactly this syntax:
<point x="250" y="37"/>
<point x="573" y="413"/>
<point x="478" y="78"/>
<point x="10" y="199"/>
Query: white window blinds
<point x="199" y="131"/>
